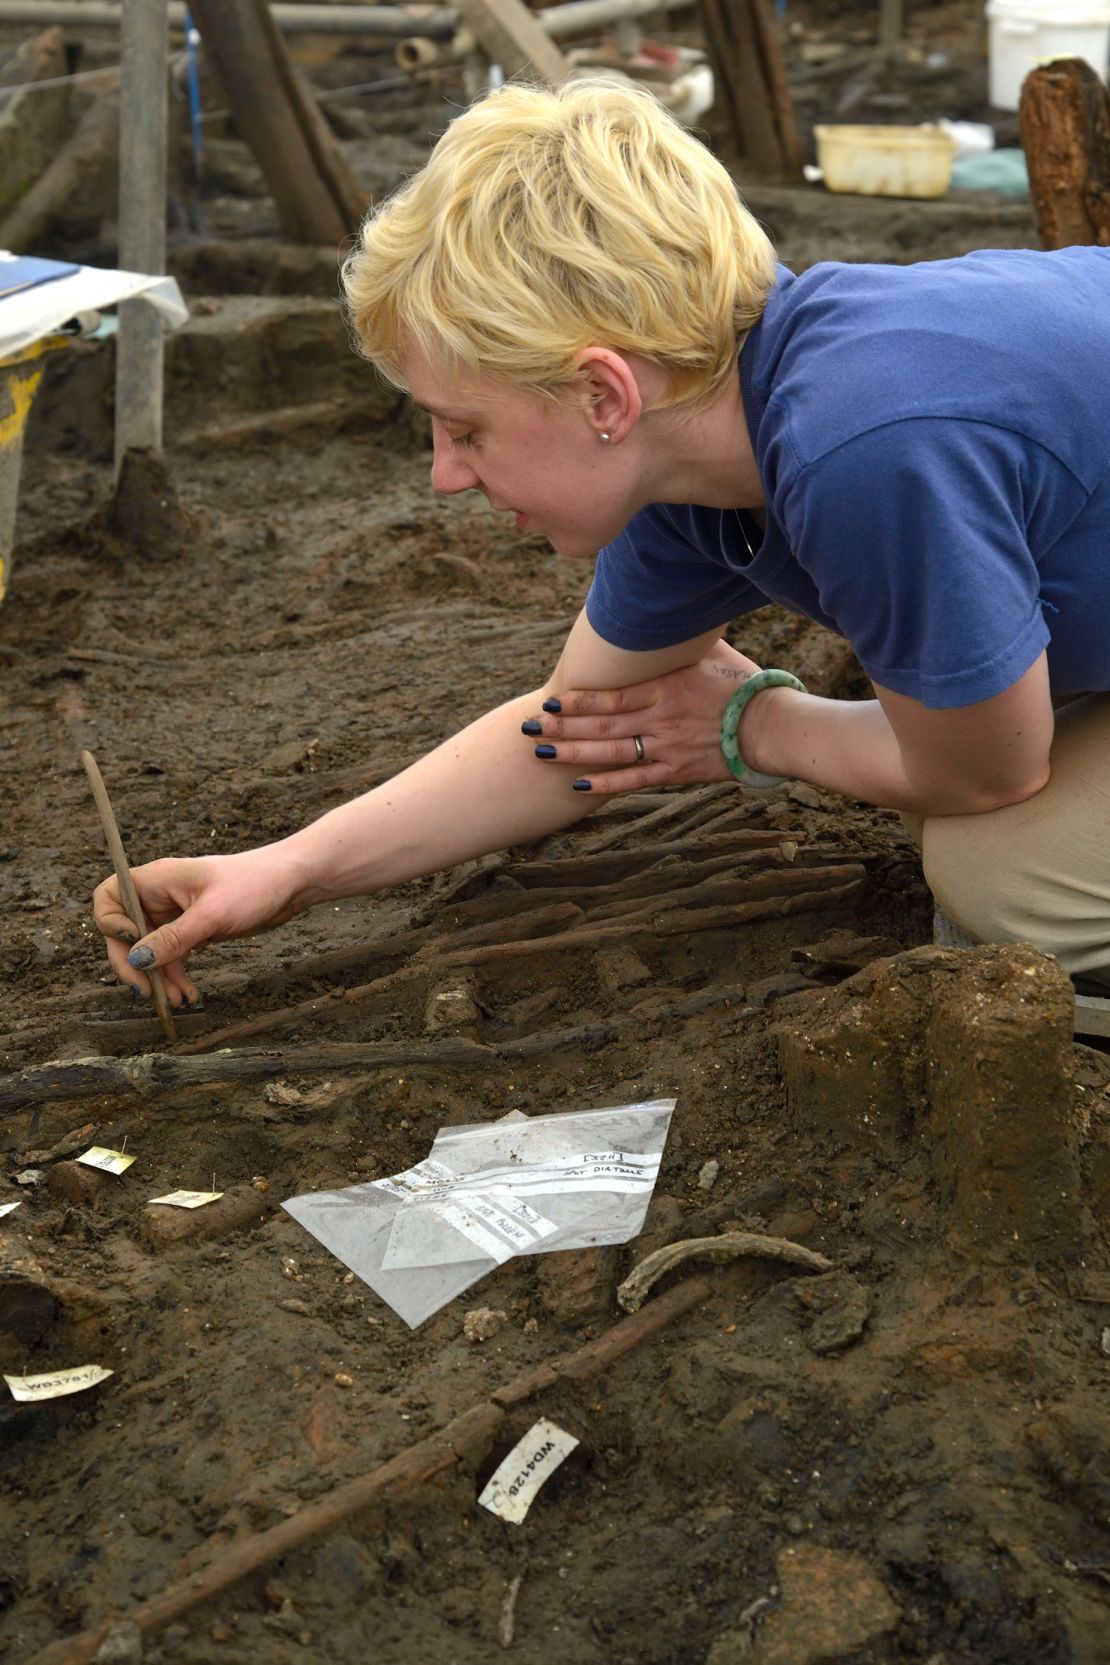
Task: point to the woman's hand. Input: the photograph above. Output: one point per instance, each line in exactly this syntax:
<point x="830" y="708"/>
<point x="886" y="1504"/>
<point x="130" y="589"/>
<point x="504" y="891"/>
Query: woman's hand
<point x="677" y="718"/>
<point x="191" y="902"/>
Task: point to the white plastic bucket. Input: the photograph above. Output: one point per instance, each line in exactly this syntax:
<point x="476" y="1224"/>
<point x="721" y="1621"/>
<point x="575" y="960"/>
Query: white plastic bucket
<point x="1025" y="33"/>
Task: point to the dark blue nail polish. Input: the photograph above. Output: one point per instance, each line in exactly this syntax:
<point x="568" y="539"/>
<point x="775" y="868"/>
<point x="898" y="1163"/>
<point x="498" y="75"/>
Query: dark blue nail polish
<point x="135" y="989"/>
<point x="141" y="957"/>
<point x="533" y="726"/>
<point x="582" y="785"/>
<point x="553" y="705"/>
<point x="545" y="751"/>
<point x="185" y="1001"/>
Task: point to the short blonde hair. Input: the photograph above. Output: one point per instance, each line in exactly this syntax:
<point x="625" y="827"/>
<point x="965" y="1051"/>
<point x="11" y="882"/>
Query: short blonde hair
<point x="548" y="221"/>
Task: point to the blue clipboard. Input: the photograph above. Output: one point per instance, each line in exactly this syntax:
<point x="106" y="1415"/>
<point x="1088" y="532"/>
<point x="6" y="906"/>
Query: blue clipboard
<point x="26" y="272"/>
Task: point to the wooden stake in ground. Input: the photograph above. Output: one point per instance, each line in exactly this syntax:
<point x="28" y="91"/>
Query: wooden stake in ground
<point x="127" y="886"/>
<point x="511" y="37"/>
<point x="749" y="72"/>
<point x="317" y="197"/>
<point x="1064" y="118"/>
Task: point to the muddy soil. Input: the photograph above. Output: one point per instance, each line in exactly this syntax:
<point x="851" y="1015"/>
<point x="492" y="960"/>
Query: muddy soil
<point x="905" y="1458"/>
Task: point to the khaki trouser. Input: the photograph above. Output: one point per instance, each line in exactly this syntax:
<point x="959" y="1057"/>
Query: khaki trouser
<point x="1038" y="871"/>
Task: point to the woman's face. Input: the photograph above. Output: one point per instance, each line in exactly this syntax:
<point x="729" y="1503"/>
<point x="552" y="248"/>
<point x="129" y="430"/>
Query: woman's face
<point x="539" y="459"/>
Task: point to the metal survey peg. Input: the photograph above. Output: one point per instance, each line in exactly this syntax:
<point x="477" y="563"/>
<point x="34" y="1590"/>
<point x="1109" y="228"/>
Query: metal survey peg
<point x="144" y="70"/>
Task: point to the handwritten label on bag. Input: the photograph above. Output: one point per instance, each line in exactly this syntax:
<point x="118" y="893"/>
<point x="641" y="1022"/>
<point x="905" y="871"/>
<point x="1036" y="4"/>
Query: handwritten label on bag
<point x="57" y="1383"/>
<point x="512" y="1487"/>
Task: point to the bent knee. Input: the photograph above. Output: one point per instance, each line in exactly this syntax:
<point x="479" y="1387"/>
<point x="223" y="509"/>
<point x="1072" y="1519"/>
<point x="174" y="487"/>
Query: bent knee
<point x="1006" y="878"/>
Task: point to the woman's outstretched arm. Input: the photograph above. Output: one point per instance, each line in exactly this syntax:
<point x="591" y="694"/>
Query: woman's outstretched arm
<point x="479" y="791"/>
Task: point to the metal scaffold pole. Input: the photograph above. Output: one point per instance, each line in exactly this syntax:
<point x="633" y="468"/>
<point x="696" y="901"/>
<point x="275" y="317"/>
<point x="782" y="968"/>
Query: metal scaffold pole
<point x="144" y="49"/>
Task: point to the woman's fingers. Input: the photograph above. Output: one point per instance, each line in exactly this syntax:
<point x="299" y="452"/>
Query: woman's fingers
<point x="122" y="939"/>
<point x="636" y="779"/>
<point x="111" y="915"/>
<point x="677" y="718"/>
<point x="132" y="953"/>
<point x="180" y="988"/>
<point x="618" y="727"/>
<point x="604" y="702"/>
<point x="597" y="754"/>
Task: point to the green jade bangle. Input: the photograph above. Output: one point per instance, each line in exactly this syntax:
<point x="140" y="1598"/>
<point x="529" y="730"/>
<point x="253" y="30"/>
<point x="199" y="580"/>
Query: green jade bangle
<point x="730" y="724"/>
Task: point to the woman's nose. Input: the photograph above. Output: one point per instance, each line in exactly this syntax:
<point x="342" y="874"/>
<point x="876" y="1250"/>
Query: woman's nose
<point x="451" y="471"/>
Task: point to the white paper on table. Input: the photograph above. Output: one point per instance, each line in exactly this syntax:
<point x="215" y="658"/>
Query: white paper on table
<point x="489" y="1191"/>
<point x="29" y="314"/>
<point x="511" y="1489"/>
<point x="57" y="1383"/>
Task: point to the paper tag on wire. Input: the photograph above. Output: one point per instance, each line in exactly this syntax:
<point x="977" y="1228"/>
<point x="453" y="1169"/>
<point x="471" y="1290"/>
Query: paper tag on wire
<point x="57" y="1383"/>
<point x="187" y="1199"/>
<point x="108" y="1161"/>
<point x="511" y="1489"/>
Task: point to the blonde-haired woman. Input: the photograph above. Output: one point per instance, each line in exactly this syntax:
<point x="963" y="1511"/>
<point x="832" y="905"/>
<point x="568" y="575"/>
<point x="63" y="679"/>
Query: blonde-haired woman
<point x="918" y="457"/>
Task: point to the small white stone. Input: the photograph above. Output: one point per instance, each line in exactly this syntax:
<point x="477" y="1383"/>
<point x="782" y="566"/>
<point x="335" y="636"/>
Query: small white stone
<point x="482" y="1323"/>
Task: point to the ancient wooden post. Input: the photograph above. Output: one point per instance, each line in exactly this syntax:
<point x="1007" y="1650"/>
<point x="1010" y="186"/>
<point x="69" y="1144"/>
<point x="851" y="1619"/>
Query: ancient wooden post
<point x="749" y="71"/>
<point x="78" y="166"/>
<point x="510" y="36"/>
<point x="1064" y="117"/>
<point x="144" y="35"/>
<point x="318" y="198"/>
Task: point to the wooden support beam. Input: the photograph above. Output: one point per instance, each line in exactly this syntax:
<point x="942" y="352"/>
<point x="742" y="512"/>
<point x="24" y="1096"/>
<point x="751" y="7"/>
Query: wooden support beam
<point x="510" y="36"/>
<point x="318" y="198"/>
<point x="1064" y="118"/>
<point x="749" y="71"/>
<point x="76" y="172"/>
<point x="773" y="68"/>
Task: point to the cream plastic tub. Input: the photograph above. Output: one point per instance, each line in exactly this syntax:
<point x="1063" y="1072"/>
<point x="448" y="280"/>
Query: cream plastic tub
<point x="886" y="161"/>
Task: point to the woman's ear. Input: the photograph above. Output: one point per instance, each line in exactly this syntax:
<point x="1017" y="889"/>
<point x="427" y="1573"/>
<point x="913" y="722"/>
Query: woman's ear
<point x="613" y="402"/>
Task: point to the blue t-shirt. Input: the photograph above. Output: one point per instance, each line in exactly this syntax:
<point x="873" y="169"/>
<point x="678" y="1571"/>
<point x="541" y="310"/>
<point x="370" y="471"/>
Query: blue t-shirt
<point x="934" y="447"/>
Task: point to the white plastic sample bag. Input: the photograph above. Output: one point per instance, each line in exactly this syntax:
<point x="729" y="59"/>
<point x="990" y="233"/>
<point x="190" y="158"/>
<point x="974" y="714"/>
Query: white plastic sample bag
<point x="36" y="309"/>
<point x="488" y="1191"/>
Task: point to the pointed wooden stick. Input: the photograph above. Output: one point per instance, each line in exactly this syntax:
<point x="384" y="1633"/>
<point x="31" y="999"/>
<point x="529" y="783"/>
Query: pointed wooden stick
<point x="127" y="886"/>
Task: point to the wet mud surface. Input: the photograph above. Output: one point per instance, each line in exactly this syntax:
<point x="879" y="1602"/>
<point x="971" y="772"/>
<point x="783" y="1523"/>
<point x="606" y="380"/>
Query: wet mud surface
<point x="904" y="1458"/>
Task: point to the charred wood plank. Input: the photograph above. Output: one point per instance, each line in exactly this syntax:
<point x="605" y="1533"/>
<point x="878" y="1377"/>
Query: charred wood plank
<point x="158" y="1072"/>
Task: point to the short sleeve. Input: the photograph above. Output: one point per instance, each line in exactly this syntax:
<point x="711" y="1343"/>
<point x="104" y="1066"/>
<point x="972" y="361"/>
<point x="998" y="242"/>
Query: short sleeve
<point x="915" y="538"/>
<point x="665" y="580"/>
